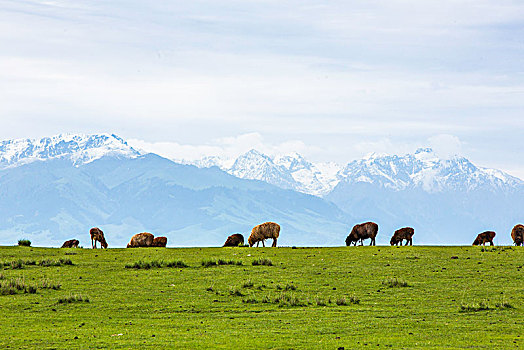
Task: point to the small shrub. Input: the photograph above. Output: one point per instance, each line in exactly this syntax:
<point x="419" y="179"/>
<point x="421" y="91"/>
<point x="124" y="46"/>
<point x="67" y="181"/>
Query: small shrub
<point x="262" y="261"/>
<point x="394" y="282"/>
<point x="320" y="302"/>
<point x="343" y="301"/>
<point x="15" y="285"/>
<point x="236" y="293"/>
<point x="47" y="284"/>
<point x="248" y="284"/>
<point x="286" y="287"/>
<point x="138" y="265"/>
<point x="177" y="263"/>
<point x="146" y="265"/>
<point x="73" y="298"/>
<point x="504" y="305"/>
<point x="288" y="300"/>
<point x="209" y="262"/>
<point x="217" y="262"/>
<point x="474" y="307"/>
<point x="17" y="264"/>
<point x="250" y="301"/>
<point x="24" y="243"/>
<point x="59" y="262"/>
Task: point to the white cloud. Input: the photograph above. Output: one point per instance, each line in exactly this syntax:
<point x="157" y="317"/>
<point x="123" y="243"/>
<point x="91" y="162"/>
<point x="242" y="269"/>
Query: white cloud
<point x="339" y="79"/>
<point x="445" y="145"/>
<point x="227" y="148"/>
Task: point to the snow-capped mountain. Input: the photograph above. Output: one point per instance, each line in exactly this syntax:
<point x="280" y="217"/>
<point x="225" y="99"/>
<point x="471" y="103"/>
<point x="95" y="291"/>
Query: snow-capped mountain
<point x="290" y="171"/>
<point x="57" y="188"/>
<point x="425" y="170"/>
<point x="79" y="148"/>
<point x="257" y="166"/>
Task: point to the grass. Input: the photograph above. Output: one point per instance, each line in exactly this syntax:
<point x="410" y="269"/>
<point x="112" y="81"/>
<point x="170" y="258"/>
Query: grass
<point x="339" y="300"/>
<point x="73" y="298"/>
<point x="219" y="262"/>
<point x="46" y="283"/>
<point x="24" y="242"/>
<point x="15" y="285"/>
<point x="156" y="264"/>
<point x="262" y="261"/>
<point x="394" y="283"/>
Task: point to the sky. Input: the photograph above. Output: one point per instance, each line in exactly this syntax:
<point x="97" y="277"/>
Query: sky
<point x="333" y="80"/>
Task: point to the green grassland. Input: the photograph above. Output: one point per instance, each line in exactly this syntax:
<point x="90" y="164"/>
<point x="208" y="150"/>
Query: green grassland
<point x="309" y="298"/>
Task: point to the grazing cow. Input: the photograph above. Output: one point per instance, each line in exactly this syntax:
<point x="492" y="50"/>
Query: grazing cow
<point x="361" y="232"/>
<point x="97" y="235"/>
<point x="159" y="242"/>
<point x="144" y="239"/>
<point x="401" y="234"/>
<point x="518" y="235"/>
<point x="72" y="243"/>
<point x="264" y="231"/>
<point x="484" y="237"/>
<point x="234" y="240"/>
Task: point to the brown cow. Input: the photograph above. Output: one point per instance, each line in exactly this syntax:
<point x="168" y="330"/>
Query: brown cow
<point x="97" y="235"/>
<point x="518" y="235"/>
<point x="484" y="237"/>
<point x="401" y="234"/>
<point x="234" y="240"/>
<point x="264" y="231"/>
<point x="159" y="242"/>
<point x="72" y="243"/>
<point x="362" y="232"/>
<point x="144" y="239"/>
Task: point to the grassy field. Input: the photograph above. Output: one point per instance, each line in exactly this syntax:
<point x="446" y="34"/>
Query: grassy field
<point x="314" y="298"/>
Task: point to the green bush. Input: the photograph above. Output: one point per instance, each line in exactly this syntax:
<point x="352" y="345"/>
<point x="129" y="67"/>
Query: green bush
<point x="262" y="261"/>
<point x="24" y="243"/>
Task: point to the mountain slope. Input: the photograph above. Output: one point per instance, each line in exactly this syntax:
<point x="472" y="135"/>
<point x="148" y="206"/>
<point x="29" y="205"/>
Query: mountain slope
<point x="51" y="201"/>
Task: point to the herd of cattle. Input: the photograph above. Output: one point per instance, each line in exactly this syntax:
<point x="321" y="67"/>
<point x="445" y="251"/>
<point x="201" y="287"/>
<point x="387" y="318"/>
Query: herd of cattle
<point x="271" y="230"/>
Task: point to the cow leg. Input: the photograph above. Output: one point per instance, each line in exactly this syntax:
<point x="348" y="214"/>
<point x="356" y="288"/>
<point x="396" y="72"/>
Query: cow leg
<point x="274" y="242"/>
<point x="490" y="242"/>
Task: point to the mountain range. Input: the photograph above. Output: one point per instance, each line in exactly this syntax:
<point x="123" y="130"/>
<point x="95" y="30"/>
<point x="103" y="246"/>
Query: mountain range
<point x="56" y="188"/>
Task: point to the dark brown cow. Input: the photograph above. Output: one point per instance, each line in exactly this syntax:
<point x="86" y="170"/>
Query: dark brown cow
<point x="144" y="239"/>
<point x="264" y="231"/>
<point x="72" y="243"/>
<point x="97" y="235"/>
<point x="517" y="234"/>
<point x="361" y="232"/>
<point x="485" y="237"/>
<point x="159" y="242"/>
<point x="401" y="234"/>
<point x="234" y="240"/>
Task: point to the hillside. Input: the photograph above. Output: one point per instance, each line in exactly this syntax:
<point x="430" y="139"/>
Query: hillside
<point x="54" y="200"/>
<point x="292" y="304"/>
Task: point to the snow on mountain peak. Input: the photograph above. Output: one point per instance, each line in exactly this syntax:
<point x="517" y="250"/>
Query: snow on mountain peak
<point x="79" y="148"/>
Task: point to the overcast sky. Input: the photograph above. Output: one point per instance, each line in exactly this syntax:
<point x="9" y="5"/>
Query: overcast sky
<point x="333" y="80"/>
